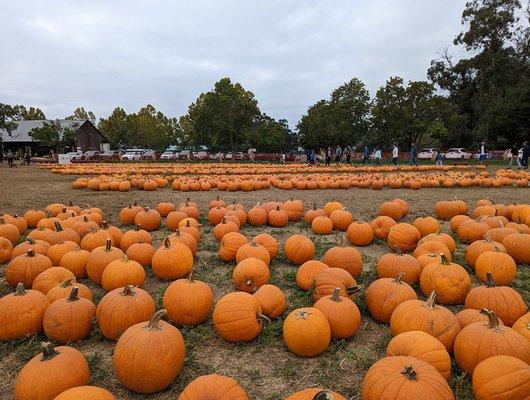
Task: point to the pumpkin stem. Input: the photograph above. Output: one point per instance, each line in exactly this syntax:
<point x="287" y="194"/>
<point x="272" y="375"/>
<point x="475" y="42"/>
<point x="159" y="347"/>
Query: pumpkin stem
<point x="263" y="317"/>
<point x="493" y="321"/>
<point x="137" y="227"/>
<point x="445" y="261"/>
<point x="489" y="280"/>
<point x="73" y="294"/>
<point x="336" y="295"/>
<point x="409" y="373"/>
<point x="135" y="203"/>
<point x="302" y="314"/>
<point x="354" y="289"/>
<point x="249" y="282"/>
<point x="323" y="395"/>
<point x="398" y="278"/>
<point x="30" y="253"/>
<point x="167" y="243"/>
<point x="108" y="244"/>
<point x="155" y="319"/>
<point x="314" y="206"/>
<point x="190" y="276"/>
<point x="67" y="282"/>
<point x="431" y="300"/>
<point x="105" y="225"/>
<point x="30" y="240"/>
<point x="343" y="241"/>
<point x="58" y="227"/>
<point x="48" y="352"/>
<point x="20" y="290"/>
<point x="2" y="222"/>
<point x="85" y="219"/>
<point x="128" y="290"/>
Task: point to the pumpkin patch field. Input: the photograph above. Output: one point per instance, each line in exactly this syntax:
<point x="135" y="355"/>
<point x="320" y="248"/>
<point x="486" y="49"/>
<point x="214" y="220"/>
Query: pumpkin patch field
<point x="238" y="293"/>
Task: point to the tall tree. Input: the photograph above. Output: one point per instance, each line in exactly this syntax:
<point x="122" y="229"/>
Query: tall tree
<point x="80" y="113"/>
<point x="56" y="135"/>
<point x="342" y="120"/>
<point x="272" y="136"/>
<point x="222" y="118"/>
<point x="7" y="115"/>
<point x="114" y="128"/>
<point x="411" y="114"/>
<point x="490" y="78"/>
<point x="151" y="128"/>
<point x="24" y="114"/>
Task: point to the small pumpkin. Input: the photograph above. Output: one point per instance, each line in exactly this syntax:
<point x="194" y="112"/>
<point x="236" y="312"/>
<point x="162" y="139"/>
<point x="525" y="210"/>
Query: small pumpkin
<point x="305" y="276"/>
<point x="99" y="258"/>
<point x="148" y="219"/>
<point x="122" y="308"/>
<point x="70" y="319"/>
<point x="426" y="225"/>
<point x="402" y="377"/>
<point x="188" y="301"/>
<point x="426" y="316"/>
<point x="214" y="387"/>
<point x="391" y="264"/>
<point x="149" y="355"/>
<point x="50" y="278"/>
<point x="506" y="302"/>
<point x="136" y="235"/>
<point x="329" y="279"/>
<point x="298" y="249"/>
<point x="404" y="237"/>
<point x="322" y="226"/>
<point x="360" y="233"/>
<point x="385" y="294"/>
<point x="255" y="250"/>
<point x="141" y="252"/>
<point x="269" y="242"/>
<point x="173" y="260"/>
<point x="250" y="274"/>
<point x="26" y="267"/>
<point x="51" y="372"/>
<point x="469" y="316"/>
<point x="475" y="249"/>
<point x="21" y="313"/>
<point x="381" y="226"/>
<point x="501" y="377"/>
<point x="347" y="258"/>
<point x="479" y="341"/>
<point x="306" y="332"/>
<point x="237" y="317"/>
<point x="272" y="300"/>
<point x="522" y="325"/>
<point x="63" y="290"/>
<point x="86" y="393"/>
<point x="120" y="273"/>
<point x="422" y="346"/>
<point x="501" y="266"/>
<point x="277" y="217"/>
<point x="342" y="314"/>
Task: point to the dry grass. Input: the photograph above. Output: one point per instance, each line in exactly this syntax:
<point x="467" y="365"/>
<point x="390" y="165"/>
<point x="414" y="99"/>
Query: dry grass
<point x="264" y="367"/>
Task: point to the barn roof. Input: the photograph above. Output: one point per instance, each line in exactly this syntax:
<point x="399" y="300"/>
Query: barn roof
<point x="21" y="132"/>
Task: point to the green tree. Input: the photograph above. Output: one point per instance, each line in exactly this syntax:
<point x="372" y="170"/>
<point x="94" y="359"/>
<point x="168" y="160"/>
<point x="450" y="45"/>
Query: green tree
<point x="490" y="78"/>
<point x="7" y="115"/>
<point x="151" y="128"/>
<point x="25" y="114"/>
<point x="114" y="128"/>
<point x="223" y="118"/>
<point x="56" y="135"/>
<point x="80" y="113"/>
<point x="272" y="136"/>
<point x="410" y="114"/>
<point x="342" y="120"/>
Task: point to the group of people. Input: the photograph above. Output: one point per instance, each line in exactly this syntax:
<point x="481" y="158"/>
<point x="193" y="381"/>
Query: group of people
<point x="378" y="156"/>
<point x="520" y="155"/>
<point x="10" y="157"/>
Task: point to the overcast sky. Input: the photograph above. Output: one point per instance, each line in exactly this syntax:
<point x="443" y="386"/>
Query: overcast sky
<point x="58" y="55"/>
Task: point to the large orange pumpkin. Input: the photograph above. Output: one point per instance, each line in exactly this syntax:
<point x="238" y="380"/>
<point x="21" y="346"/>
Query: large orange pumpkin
<point x="306" y="332"/>
<point x="214" y="387"/>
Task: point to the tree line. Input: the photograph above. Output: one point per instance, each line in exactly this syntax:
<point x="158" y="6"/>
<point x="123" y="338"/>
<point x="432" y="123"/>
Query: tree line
<point x="485" y="95"/>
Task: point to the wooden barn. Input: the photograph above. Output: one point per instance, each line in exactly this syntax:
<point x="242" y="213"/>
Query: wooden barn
<point x="88" y="137"/>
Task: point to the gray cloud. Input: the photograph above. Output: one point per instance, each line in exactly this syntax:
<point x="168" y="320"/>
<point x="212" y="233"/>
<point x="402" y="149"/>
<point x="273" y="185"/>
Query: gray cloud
<point x="62" y="54"/>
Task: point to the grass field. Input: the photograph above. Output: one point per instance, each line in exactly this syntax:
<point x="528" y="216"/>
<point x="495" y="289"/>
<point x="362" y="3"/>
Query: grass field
<point x="264" y="367"/>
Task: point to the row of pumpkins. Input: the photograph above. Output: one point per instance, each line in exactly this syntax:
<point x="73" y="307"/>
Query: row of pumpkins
<point x="377" y="181"/>
<point x="231" y="168"/>
<point x="69" y="243"/>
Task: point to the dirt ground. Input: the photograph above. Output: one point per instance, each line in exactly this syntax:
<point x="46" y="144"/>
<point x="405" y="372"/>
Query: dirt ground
<point x="264" y="368"/>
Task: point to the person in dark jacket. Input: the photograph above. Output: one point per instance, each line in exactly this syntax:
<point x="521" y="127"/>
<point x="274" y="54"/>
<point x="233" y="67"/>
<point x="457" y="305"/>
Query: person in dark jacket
<point x="10" y="157"/>
<point x="413" y="155"/>
<point x="514" y="156"/>
<point x="526" y="154"/>
<point x="366" y="155"/>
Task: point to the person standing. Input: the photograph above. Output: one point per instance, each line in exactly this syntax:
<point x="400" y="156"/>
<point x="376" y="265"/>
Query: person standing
<point x="514" y="156"/>
<point x="328" y="156"/>
<point x="348" y="154"/>
<point x="10" y="157"/>
<point x="439" y="158"/>
<point x="413" y="155"/>
<point x="27" y="156"/>
<point x="482" y="156"/>
<point x="338" y="154"/>
<point x="377" y="155"/>
<point x="526" y="154"/>
<point x="366" y="154"/>
<point x="395" y="154"/>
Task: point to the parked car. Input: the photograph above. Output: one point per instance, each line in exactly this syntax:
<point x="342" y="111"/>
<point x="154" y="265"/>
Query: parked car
<point x="132" y="155"/>
<point x="428" y="153"/>
<point x="169" y="155"/>
<point x="74" y="156"/>
<point x="110" y="154"/>
<point x="149" y="155"/>
<point x="457" y="153"/>
<point x="185" y="155"/>
<point x="91" y="155"/>
<point x="217" y="156"/>
<point x="201" y="155"/>
<point x="238" y="155"/>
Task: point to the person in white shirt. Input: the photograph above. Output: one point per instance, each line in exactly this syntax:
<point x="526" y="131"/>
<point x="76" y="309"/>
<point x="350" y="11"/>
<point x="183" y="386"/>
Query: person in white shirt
<point x="377" y="156"/>
<point x="395" y="153"/>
